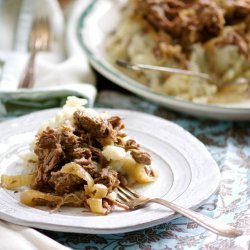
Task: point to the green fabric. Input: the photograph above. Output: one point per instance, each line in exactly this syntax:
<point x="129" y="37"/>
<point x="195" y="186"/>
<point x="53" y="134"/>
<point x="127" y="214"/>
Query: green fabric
<point x="24" y="102"/>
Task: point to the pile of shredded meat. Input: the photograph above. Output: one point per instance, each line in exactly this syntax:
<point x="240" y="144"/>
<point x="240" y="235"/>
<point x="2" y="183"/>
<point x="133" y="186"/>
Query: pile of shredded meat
<point x="186" y="22"/>
<point x="82" y="144"/>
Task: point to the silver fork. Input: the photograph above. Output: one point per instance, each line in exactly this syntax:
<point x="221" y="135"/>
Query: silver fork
<point x="207" y="77"/>
<point x="39" y="40"/>
<point x="133" y="200"/>
<point x="136" y="66"/>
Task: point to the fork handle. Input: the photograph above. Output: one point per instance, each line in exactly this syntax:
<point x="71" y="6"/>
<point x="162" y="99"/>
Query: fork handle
<point x="28" y="78"/>
<point x="206" y="222"/>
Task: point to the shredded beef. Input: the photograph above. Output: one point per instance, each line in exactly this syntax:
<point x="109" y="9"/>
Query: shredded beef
<point x="108" y="205"/>
<point x="71" y="199"/>
<point x="50" y="154"/>
<point x="68" y="142"/>
<point x="236" y="37"/>
<point x="118" y="126"/>
<point x="48" y="149"/>
<point x="97" y="127"/>
<point x="41" y="181"/>
<point x="122" y="179"/>
<point x="109" y="178"/>
<point x="188" y="22"/>
<point x="91" y="169"/>
<point x="100" y="131"/>
<point x="82" y="156"/>
<point x="84" y="138"/>
<point x="47" y="139"/>
<point x="64" y="183"/>
<point x="77" y="199"/>
<point x="131" y="144"/>
<point x="163" y="49"/>
<point x="206" y="19"/>
<point x="141" y="157"/>
<point x="113" y="203"/>
<point x="236" y="11"/>
<point x="116" y="123"/>
<point x="82" y="144"/>
<point x="149" y="171"/>
<point x="98" y="156"/>
<point x="82" y="161"/>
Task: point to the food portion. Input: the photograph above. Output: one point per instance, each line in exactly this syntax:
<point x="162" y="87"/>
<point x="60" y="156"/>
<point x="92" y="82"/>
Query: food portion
<point x="209" y="36"/>
<point x="79" y="159"/>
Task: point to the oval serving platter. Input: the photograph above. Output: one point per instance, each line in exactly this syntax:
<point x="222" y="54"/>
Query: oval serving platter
<point x="96" y="22"/>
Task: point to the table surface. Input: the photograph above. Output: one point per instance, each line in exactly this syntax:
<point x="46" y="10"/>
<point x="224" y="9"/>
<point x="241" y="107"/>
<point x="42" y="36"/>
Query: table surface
<point x="229" y="144"/>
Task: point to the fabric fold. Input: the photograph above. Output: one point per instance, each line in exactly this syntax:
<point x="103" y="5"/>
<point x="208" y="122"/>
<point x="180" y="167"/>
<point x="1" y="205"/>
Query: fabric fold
<point x="26" y="101"/>
<point x="14" y="237"/>
<point x="59" y="73"/>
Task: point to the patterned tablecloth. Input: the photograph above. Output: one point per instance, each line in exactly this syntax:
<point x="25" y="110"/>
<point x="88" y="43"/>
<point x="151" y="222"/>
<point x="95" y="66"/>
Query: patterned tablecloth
<point x="229" y="144"/>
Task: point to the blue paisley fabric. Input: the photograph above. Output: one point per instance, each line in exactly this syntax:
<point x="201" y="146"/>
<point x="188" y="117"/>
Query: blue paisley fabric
<point x="229" y="144"/>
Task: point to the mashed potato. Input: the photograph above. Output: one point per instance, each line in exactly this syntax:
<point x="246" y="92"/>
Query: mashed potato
<point x="136" y="43"/>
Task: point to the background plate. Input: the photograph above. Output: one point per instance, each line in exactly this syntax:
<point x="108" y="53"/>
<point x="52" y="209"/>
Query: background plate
<point x="95" y="24"/>
<point x="188" y="175"/>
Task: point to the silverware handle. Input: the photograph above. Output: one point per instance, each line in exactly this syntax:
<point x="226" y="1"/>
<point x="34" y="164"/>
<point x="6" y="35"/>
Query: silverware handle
<point x="28" y="78"/>
<point x="206" y="222"/>
<point x="164" y="69"/>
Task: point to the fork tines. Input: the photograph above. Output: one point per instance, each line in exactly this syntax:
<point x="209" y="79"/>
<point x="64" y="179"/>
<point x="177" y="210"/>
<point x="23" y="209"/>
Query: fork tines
<point x="40" y="34"/>
<point x="39" y="40"/>
<point x="125" y="194"/>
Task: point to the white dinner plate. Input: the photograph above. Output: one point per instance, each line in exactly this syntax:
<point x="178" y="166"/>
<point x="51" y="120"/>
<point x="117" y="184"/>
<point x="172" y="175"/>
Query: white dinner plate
<point x="96" y="22"/>
<point x="188" y="175"/>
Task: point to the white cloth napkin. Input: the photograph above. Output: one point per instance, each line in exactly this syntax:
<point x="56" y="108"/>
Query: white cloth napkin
<point x="13" y="237"/>
<point x="59" y="73"/>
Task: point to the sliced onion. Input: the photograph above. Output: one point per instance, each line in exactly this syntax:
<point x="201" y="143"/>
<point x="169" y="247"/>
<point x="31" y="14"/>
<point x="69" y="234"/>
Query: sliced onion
<point x="96" y="206"/>
<point x="13" y="182"/>
<point x="100" y="191"/>
<point x="96" y="191"/>
<point x="76" y="169"/>
<point x="29" y="197"/>
<point x="33" y="197"/>
<point x="138" y="173"/>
